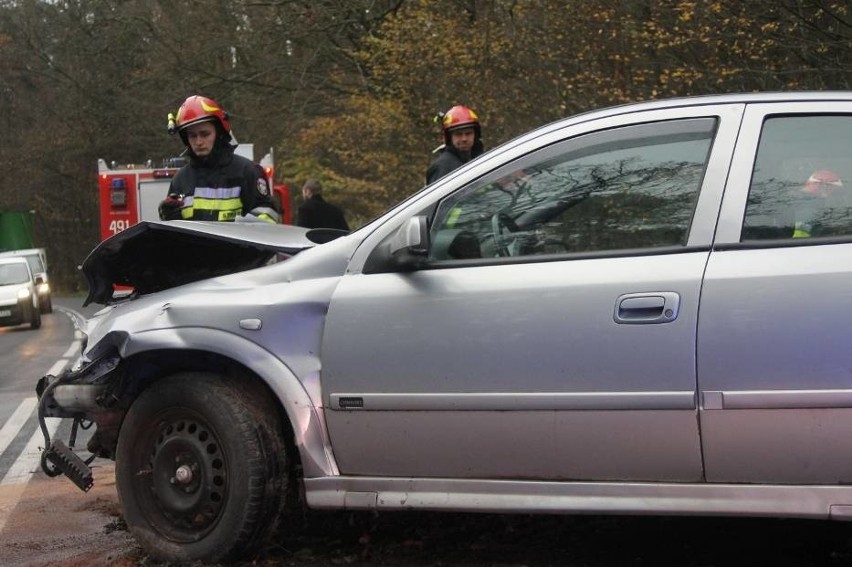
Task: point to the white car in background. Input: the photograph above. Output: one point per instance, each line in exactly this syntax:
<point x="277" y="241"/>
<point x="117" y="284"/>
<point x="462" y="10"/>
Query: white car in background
<point x="18" y="296"/>
<point x="37" y="259"/>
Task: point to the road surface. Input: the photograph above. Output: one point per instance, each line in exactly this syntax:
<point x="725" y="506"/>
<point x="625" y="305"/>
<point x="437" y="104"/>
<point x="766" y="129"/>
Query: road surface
<point x="46" y="521"/>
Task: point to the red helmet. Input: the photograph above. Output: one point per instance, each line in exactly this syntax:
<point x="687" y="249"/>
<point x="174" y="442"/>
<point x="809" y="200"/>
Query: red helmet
<point x="822" y="183"/>
<point x="459" y="116"/>
<point x="197" y="109"/>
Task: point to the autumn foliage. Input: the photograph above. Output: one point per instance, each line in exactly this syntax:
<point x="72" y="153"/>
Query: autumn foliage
<point x="522" y="64"/>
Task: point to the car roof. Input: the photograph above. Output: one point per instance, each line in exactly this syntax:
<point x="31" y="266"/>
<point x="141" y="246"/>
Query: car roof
<point x="23" y="252"/>
<point x="730" y="98"/>
<point x="699" y="100"/>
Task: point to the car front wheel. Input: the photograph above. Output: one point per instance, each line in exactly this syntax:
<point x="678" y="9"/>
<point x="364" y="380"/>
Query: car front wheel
<point x="200" y="469"/>
<point x="35" y="318"/>
<point x="47" y="305"/>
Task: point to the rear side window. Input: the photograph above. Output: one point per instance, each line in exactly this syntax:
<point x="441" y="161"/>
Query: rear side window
<point x="800" y="187"/>
<point x="625" y="188"/>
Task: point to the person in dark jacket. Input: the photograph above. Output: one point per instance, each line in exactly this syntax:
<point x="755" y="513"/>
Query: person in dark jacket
<point x="216" y="184"/>
<point x="316" y="212"/>
<point x="462" y="142"/>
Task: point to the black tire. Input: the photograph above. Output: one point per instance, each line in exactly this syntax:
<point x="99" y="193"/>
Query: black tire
<point x="200" y="469"/>
<point x="35" y="318"/>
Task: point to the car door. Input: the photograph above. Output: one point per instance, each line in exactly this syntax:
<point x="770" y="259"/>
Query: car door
<point x="550" y="334"/>
<point x="774" y="361"/>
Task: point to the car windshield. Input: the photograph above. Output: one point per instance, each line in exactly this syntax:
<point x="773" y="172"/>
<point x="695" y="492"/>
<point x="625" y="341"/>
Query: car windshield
<point x="13" y="274"/>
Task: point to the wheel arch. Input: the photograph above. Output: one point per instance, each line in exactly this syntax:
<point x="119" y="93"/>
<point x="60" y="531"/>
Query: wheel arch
<point x="152" y="355"/>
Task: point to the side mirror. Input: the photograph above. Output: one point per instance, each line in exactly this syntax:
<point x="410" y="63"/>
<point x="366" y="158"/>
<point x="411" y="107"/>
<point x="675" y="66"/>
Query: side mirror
<point x="412" y="238"/>
<point x="39" y="280"/>
<point x="406" y="249"/>
<point x="409" y="246"/>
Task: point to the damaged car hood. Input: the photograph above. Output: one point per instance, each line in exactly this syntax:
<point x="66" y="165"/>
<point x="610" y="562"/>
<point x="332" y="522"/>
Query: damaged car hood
<point x="153" y="256"/>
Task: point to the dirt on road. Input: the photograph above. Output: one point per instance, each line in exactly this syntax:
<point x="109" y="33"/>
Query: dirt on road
<point x="49" y="522"/>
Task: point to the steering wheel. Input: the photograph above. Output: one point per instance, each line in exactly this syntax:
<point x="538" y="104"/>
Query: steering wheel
<point x="500" y="222"/>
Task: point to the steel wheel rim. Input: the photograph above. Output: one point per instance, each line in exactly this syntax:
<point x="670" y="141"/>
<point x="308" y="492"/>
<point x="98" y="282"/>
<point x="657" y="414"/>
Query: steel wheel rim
<point x="185" y="491"/>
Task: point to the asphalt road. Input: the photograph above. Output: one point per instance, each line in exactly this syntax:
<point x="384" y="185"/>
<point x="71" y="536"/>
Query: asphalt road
<point x="49" y="521"/>
<point x="46" y="521"/>
<point x="25" y="356"/>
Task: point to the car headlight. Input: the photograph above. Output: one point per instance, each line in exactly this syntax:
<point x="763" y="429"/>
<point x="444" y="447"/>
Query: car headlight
<point x="43" y="288"/>
<point x="24" y="293"/>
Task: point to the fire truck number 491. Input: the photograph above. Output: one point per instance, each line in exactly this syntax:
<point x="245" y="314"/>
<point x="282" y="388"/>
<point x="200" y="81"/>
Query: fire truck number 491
<point x="117" y="226"/>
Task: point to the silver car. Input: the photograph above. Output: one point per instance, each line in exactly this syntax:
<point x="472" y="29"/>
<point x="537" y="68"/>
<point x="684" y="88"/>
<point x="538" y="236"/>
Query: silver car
<point x="643" y="309"/>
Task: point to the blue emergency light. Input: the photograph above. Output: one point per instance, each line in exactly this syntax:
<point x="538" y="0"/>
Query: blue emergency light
<point x="118" y="192"/>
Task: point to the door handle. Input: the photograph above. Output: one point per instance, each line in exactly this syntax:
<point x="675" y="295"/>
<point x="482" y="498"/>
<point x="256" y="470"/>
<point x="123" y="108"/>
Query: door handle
<point x="647" y="308"/>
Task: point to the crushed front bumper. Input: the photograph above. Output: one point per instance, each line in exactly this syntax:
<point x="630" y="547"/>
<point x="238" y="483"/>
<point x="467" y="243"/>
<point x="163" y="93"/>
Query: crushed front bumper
<point x="85" y="393"/>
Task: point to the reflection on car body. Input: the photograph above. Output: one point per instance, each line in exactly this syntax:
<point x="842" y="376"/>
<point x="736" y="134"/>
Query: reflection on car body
<point x="610" y="314"/>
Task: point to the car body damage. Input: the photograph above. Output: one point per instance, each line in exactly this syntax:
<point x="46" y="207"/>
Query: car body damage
<point x="221" y="304"/>
<point x="153" y="256"/>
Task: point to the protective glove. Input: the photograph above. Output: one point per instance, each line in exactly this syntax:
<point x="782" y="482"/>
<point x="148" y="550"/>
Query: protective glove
<point x="169" y="208"/>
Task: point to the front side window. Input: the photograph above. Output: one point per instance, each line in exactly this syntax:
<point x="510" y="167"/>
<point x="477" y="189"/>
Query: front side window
<point x="800" y="187"/>
<point x="625" y="188"/>
<point x="36" y="264"/>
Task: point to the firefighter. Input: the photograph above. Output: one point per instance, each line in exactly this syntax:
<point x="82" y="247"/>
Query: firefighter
<point x="216" y="184"/>
<point x="462" y="142"/>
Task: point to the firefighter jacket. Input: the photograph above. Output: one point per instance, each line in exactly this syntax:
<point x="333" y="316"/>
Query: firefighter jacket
<point x="222" y="187"/>
<point x="448" y="159"/>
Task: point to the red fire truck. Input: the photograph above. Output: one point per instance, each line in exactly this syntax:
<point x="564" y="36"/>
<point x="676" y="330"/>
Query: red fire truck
<point x="131" y="193"/>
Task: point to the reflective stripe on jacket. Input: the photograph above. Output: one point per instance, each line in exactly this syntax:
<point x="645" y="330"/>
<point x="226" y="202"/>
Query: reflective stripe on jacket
<point x="209" y="203"/>
<point x="223" y="187"/>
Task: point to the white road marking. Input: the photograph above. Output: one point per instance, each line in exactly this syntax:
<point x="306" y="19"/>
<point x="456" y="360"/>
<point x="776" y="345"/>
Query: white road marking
<point x="73" y="350"/>
<point x="58" y="367"/>
<point x="76" y="318"/>
<point x="30" y="459"/>
<point x="15" y="481"/>
<point x="16" y="422"/>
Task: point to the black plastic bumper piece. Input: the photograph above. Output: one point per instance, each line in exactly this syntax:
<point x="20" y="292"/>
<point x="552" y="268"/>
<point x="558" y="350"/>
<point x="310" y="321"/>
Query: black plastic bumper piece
<point x="70" y="464"/>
